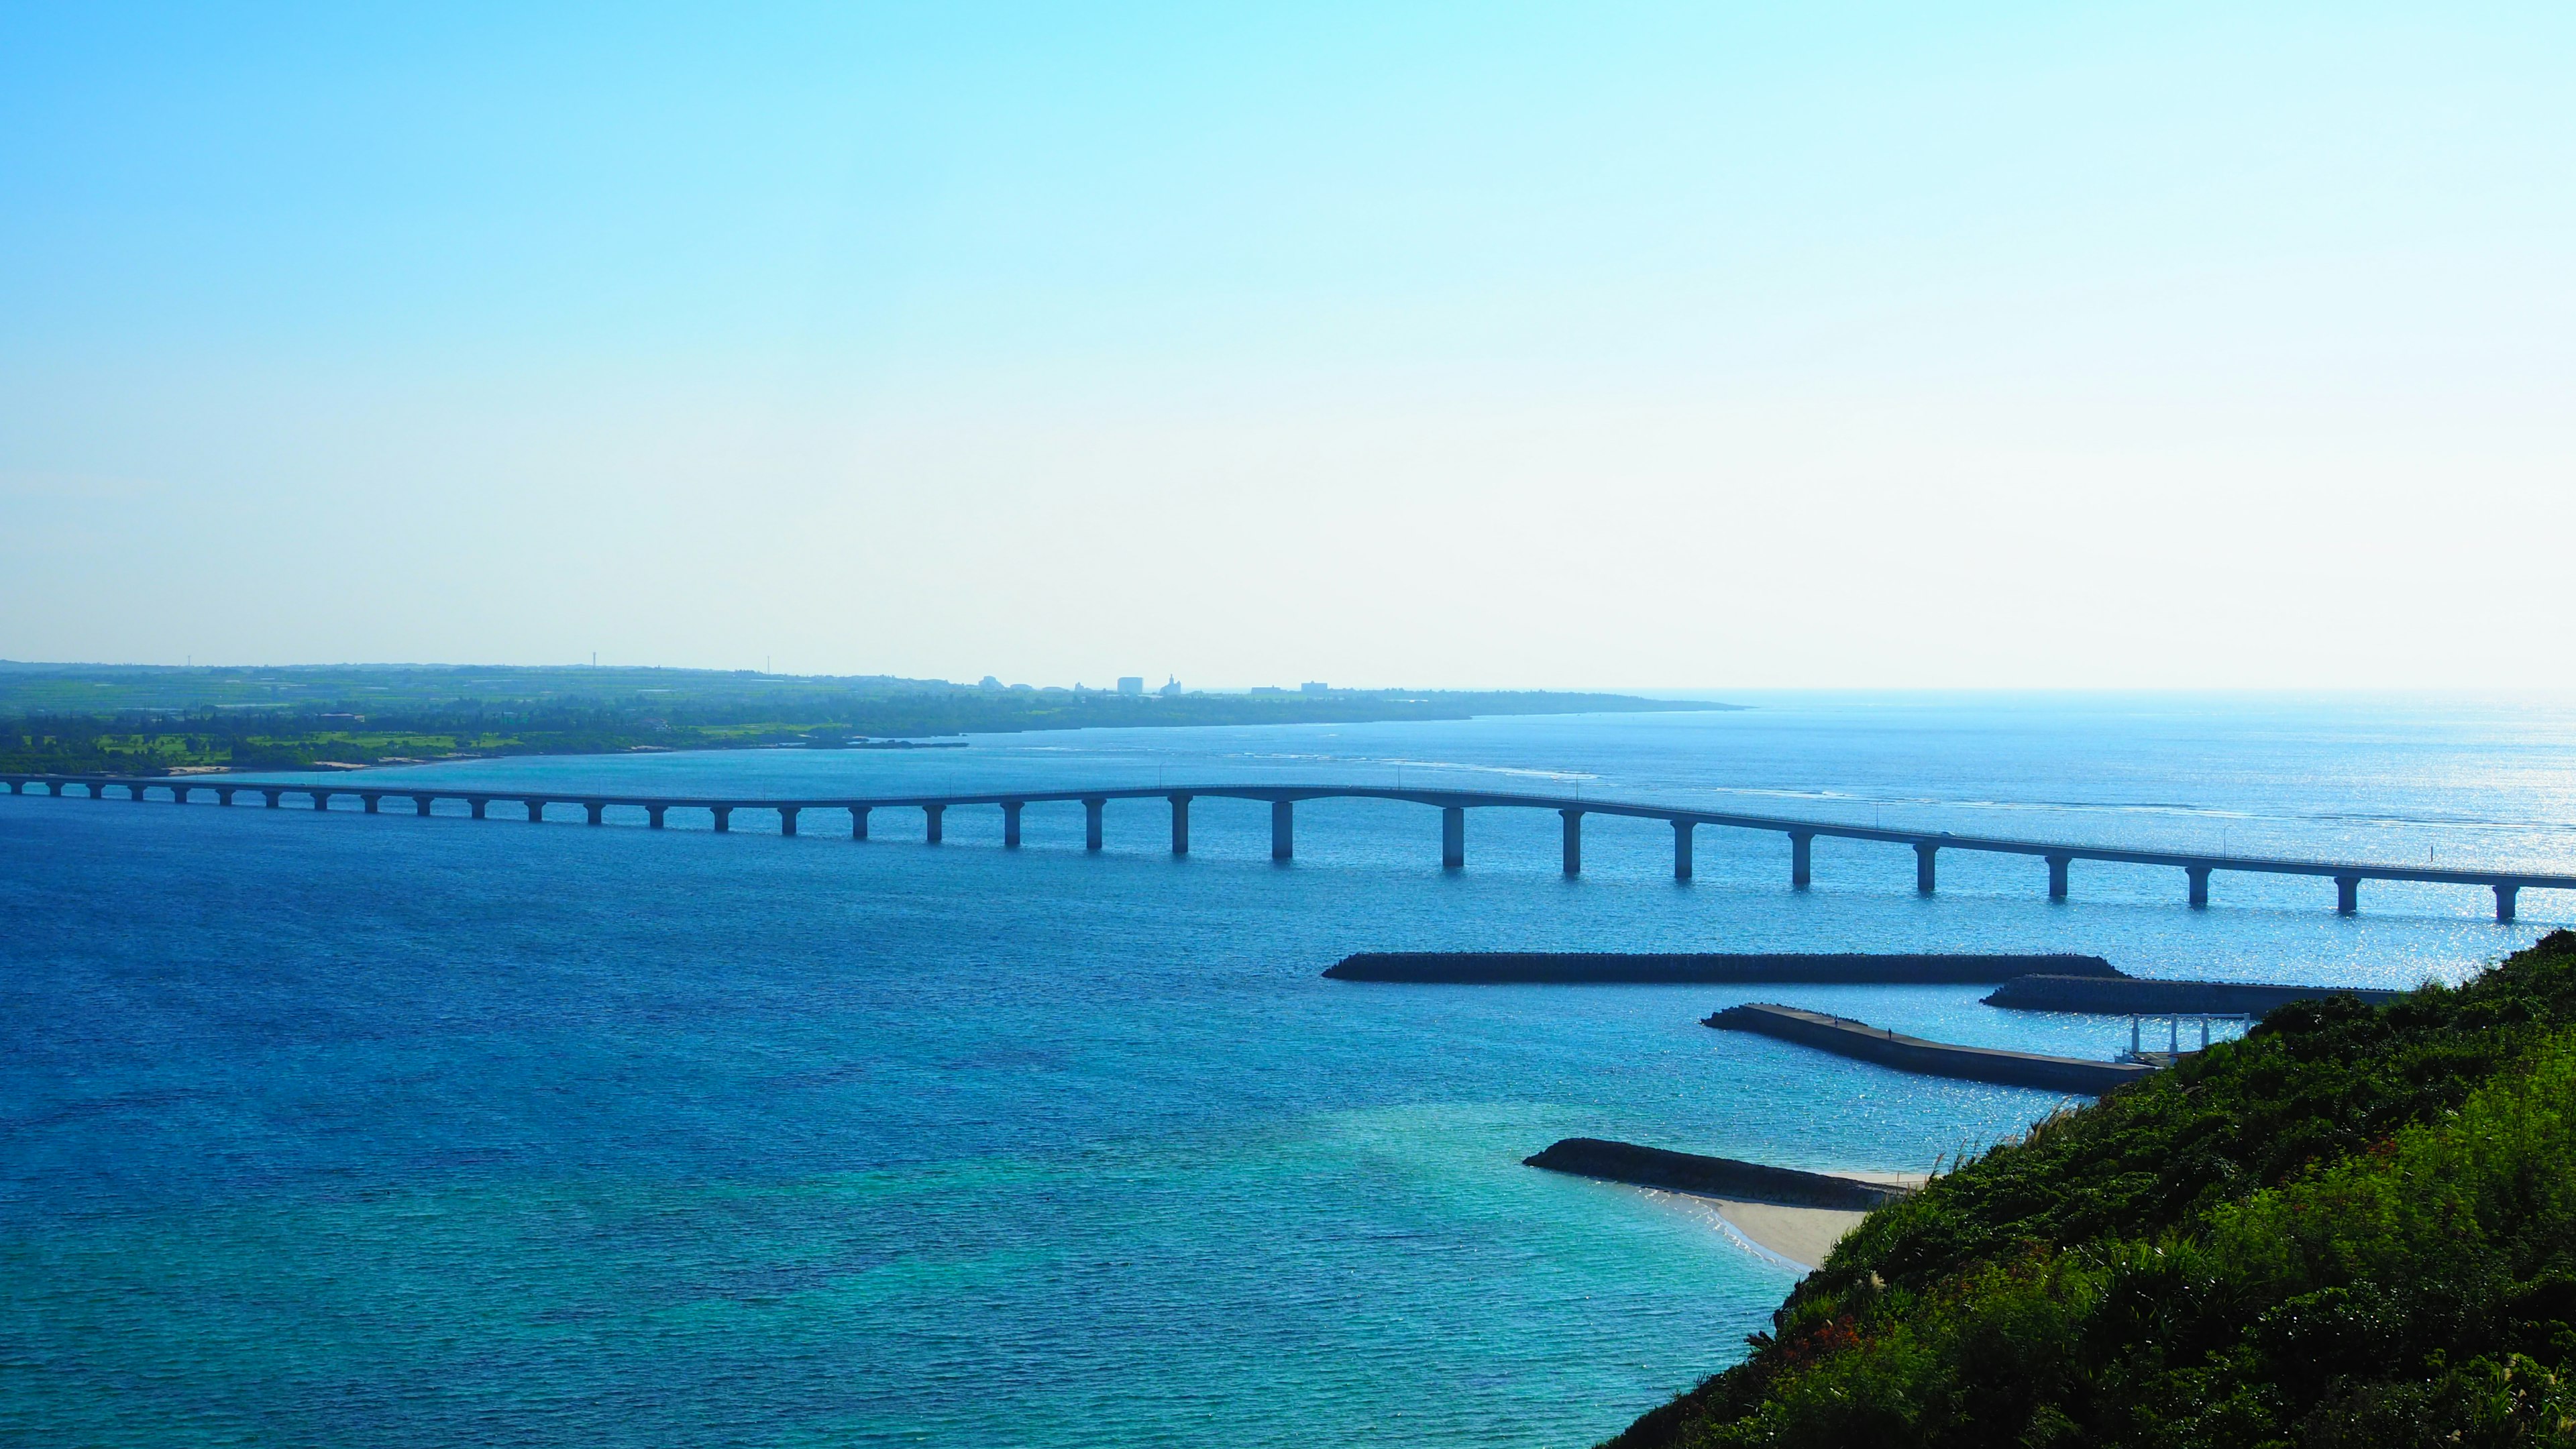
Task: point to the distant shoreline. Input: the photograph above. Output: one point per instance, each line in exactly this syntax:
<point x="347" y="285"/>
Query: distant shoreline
<point x="155" y="722"/>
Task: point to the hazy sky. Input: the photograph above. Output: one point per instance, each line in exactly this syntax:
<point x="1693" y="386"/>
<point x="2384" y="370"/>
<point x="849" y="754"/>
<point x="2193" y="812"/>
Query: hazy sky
<point x="1699" y="345"/>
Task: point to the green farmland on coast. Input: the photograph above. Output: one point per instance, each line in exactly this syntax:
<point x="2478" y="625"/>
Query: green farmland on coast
<point x="145" y="720"/>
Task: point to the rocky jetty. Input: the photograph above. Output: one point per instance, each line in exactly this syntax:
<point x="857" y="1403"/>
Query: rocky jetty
<point x="1711" y="1176"/>
<point x="1625" y="968"/>
<point x="1846" y="1037"/>
<point x="2132" y="996"/>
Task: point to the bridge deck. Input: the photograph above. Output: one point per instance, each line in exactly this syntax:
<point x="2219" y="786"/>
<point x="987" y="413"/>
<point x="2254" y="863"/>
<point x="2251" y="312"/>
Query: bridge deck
<point x="1926" y="843"/>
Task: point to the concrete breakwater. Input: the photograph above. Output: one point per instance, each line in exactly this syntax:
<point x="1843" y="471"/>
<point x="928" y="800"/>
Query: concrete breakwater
<point x="1710" y="1176"/>
<point x="1620" y="968"/>
<point x="2132" y="996"/>
<point x="1846" y="1037"/>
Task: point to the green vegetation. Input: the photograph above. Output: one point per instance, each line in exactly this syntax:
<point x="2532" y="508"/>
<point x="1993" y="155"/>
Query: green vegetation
<point x="2355" y="1227"/>
<point x="66" y="719"/>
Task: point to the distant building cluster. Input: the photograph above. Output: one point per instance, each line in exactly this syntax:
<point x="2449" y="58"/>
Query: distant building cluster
<point x="1132" y="686"/>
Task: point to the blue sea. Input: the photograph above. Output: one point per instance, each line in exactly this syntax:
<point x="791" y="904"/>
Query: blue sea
<point x="349" y="1130"/>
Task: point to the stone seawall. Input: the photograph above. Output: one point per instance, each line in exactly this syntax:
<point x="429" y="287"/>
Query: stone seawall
<point x="2130" y="996"/>
<point x="1846" y="1037"/>
<point x="1711" y="1176"/>
<point x="1608" y="968"/>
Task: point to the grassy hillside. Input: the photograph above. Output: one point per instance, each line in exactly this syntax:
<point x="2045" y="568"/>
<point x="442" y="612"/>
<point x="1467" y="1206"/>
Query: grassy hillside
<point x="2354" y="1227"/>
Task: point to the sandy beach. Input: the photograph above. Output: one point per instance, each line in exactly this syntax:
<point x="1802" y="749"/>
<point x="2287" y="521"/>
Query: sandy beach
<point x="1799" y="1236"/>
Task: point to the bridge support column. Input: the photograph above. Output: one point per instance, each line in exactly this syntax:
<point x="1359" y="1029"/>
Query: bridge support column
<point x="723" y="815"/>
<point x="1283" y="830"/>
<point x="1453" y="837"/>
<point x="1573" y="841"/>
<point x="1802" y="859"/>
<point x="2347" y="895"/>
<point x="1924" y="850"/>
<point x="536" y="810"/>
<point x="369" y="802"/>
<point x="2057" y="876"/>
<point x="477" y="804"/>
<point x="858" y="822"/>
<point x="1180" y="825"/>
<point x="932" y="819"/>
<point x="419" y="804"/>
<point x="135" y="792"/>
<point x="2199" y="876"/>
<point x="1091" y="809"/>
<point x="2504" y="902"/>
<point x="179" y="794"/>
<point x="653" y="816"/>
<point x="1682" y="848"/>
<point x="322" y="798"/>
<point x="223" y="797"/>
<point x="17" y="787"/>
<point x="275" y="795"/>
<point x="1011" y="824"/>
<point x="787" y="819"/>
<point x="597" y="810"/>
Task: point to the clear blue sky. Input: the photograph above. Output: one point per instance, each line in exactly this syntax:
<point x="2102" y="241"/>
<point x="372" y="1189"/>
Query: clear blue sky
<point x="1696" y="345"/>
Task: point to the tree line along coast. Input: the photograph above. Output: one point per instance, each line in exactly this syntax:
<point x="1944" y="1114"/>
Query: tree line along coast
<point x="147" y="720"/>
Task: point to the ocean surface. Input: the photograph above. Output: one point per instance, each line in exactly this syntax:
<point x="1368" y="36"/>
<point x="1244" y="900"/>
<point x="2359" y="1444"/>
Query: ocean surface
<point x="339" y="1129"/>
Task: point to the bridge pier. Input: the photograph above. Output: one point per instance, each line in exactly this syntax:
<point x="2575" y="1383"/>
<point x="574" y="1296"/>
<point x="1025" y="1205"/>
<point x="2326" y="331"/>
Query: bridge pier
<point x="477" y="804"/>
<point x="2057" y="876"/>
<point x="931" y="816"/>
<point x="1091" y="809"/>
<point x="2199" y="876"/>
<point x="597" y="810"/>
<point x="369" y="801"/>
<point x="1011" y="824"/>
<point x="858" y="822"/>
<point x="1180" y="825"/>
<point x="724" y="817"/>
<point x="1283" y="830"/>
<point x="2347" y="895"/>
<point x="322" y="798"/>
<point x="536" y="810"/>
<point x="179" y="794"/>
<point x="135" y="792"/>
<point x="274" y="795"/>
<point x="1802" y="859"/>
<point x="1453" y="838"/>
<point x="1573" y="841"/>
<point x="2504" y="902"/>
<point x="653" y="816"/>
<point x="1924" y="850"/>
<point x="223" y="796"/>
<point x="17" y="787"/>
<point x="1682" y="848"/>
<point x="419" y="804"/>
<point x="787" y="819"/>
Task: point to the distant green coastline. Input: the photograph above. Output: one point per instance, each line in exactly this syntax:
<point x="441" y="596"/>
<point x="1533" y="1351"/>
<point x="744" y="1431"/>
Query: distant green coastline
<point x="145" y="719"/>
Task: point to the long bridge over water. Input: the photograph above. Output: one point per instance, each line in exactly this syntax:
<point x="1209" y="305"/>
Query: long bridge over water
<point x="1453" y="806"/>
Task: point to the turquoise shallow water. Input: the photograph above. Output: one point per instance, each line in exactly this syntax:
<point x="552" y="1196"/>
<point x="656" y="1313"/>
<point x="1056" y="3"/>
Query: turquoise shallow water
<point x="378" y="1130"/>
